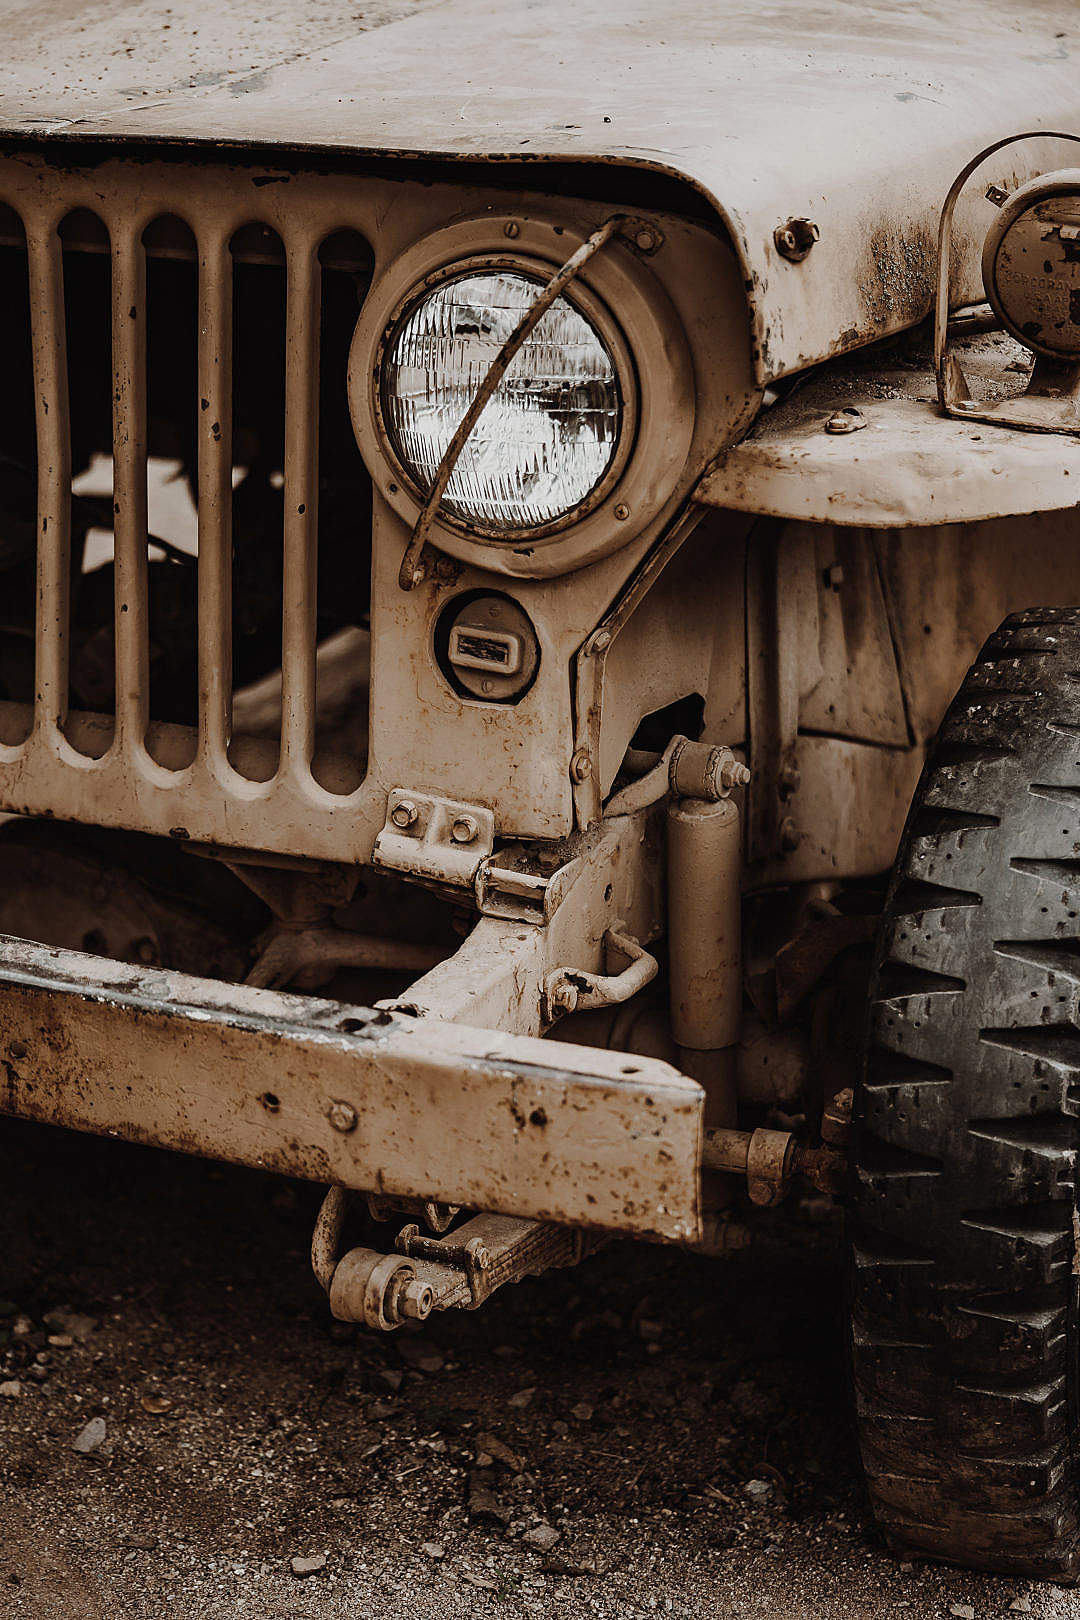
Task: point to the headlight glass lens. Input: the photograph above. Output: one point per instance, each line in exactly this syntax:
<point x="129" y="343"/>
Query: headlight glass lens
<point x="549" y="433"/>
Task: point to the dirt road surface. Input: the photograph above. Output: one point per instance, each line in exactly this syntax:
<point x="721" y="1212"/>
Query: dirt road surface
<point x="650" y="1435"/>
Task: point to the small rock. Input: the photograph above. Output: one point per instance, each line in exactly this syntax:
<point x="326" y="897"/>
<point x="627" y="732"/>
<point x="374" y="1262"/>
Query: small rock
<point x="482" y="1501"/>
<point x="10" y="1389"/>
<point x="61" y="1341"/>
<point x="479" y="1580"/>
<point x="392" y="1377"/>
<point x="907" y="1568"/>
<point x="522" y="1398"/>
<point x="74" y="1323"/>
<point x="1021" y="1605"/>
<point x="758" y="1488"/>
<point x="649" y="1330"/>
<point x="22" y="1327"/>
<point x="308" y="1566"/>
<point x="142" y="1543"/>
<point x="438" y="1446"/>
<point x="494" y="1447"/>
<point x="421" y="1353"/>
<point x="564" y="1566"/>
<point x="962" y="1611"/>
<point x="156" y="1404"/>
<point x="583" y="1411"/>
<point x="90" y="1437"/>
<point x="542" y="1536"/>
<point x="484" y="1459"/>
<point x="433" y="1549"/>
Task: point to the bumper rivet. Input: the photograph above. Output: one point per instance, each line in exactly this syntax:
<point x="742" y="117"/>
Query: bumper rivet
<point x="342" y="1116"/>
<point x="464" y="830"/>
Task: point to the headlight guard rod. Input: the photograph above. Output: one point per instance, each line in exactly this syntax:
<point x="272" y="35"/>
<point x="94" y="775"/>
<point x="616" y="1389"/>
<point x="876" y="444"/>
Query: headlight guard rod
<point x="411" y="572"/>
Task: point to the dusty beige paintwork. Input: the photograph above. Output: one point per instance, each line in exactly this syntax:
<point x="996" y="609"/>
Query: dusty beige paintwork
<point x="801" y="640"/>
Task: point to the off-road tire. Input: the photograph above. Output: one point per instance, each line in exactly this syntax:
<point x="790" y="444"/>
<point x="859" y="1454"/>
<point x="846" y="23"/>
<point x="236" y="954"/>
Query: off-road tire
<point x="964" y="1226"/>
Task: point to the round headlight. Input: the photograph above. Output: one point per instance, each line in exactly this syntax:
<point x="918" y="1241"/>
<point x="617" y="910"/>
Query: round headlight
<point x="548" y="438"/>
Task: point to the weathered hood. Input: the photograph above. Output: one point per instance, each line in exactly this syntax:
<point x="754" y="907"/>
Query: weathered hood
<point x="852" y="113"/>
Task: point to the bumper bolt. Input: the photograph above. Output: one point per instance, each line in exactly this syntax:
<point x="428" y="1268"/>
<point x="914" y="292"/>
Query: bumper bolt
<point x="581" y="766"/>
<point x="342" y="1117"/>
<point x="464" y="830"/>
<point x="404" y="814"/>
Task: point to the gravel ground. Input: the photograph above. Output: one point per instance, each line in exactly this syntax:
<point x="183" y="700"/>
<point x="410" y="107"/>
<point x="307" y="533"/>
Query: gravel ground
<point x="651" y="1434"/>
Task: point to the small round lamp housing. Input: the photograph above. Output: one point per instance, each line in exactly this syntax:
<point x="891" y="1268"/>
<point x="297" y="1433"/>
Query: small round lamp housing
<point x="1031" y="265"/>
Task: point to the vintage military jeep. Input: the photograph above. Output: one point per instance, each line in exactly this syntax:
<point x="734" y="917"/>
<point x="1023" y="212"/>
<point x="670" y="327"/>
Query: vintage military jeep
<point x="612" y="433"/>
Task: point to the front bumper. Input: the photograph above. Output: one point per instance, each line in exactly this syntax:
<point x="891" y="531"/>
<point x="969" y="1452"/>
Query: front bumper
<point x="376" y="1101"/>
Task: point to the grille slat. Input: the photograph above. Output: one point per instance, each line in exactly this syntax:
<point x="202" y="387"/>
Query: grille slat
<point x="53" y="607"/>
<point x="303" y="297"/>
<point x="129" y="489"/>
<point x="215" y="500"/>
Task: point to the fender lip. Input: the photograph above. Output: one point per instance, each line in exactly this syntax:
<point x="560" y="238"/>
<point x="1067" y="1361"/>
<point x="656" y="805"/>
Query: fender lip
<point x="421" y="1108"/>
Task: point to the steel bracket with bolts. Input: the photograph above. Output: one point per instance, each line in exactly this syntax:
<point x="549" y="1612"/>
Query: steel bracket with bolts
<point x="426" y="836"/>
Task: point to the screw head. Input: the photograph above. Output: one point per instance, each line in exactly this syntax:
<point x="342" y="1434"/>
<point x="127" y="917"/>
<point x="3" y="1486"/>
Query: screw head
<point x="645" y="240"/>
<point x="404" y="814"/>
<point x="342" y="1117"/>
<point x="581" y="766"/>
<point x="464" y="830"/>
<point x="622" y="512"/>
<point x="511" y="228"/>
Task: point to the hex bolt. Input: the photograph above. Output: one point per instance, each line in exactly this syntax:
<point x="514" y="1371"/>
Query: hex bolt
<point x="601" y="641"/>
<point x="416" y="1300"/>
<point x="646" y="240"/>
<point x="464" y="830"/>
<point x="734" y="774"/>
<point x="404" y="814"/>
<point x="581" y="765"/>
<point x="342" y="1117"/>
<point x="564" y="998"/>
<point x="794" y="239"/>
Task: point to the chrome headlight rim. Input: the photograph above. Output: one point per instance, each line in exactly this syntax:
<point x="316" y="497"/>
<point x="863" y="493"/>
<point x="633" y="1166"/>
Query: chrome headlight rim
<point x="647" y="341"/>
<point x="585" y="302"/>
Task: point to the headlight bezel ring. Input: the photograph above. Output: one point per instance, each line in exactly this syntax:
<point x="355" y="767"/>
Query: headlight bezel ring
<point x="652" y="365"/>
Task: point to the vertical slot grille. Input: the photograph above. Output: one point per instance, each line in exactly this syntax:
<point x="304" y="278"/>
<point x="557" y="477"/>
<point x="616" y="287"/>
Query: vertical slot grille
<point x="123" y="765"/>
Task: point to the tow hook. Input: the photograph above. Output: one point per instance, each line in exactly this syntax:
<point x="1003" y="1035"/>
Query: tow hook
<point x="770" y="1160"/>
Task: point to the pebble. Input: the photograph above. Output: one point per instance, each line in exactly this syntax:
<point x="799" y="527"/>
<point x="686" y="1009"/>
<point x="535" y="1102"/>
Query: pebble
<point x="22" y="1327"/>
<point x="1021" y="1605"/>
<point x="494" y="1447"/>
<point x="90" y="1437"/>
<point x="10" y="1389"/>
<point x="522" y="1398"/>
<point x="583" y="1411"/>
<point x="482" y="1502"/>
<point x="757" y="1488"/>
<point x="73" y="1323"/>
<point x="156" y="1404"/>
<point x="433" y="1549"/>
<point x="308" y="1566"/>
<point x="962" y="1611"/>
<point x="61" y="1341"/>
<point x="392" y="1377"/>
<point x="542" y="1536"/>
<point x="421" y="1354"/>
